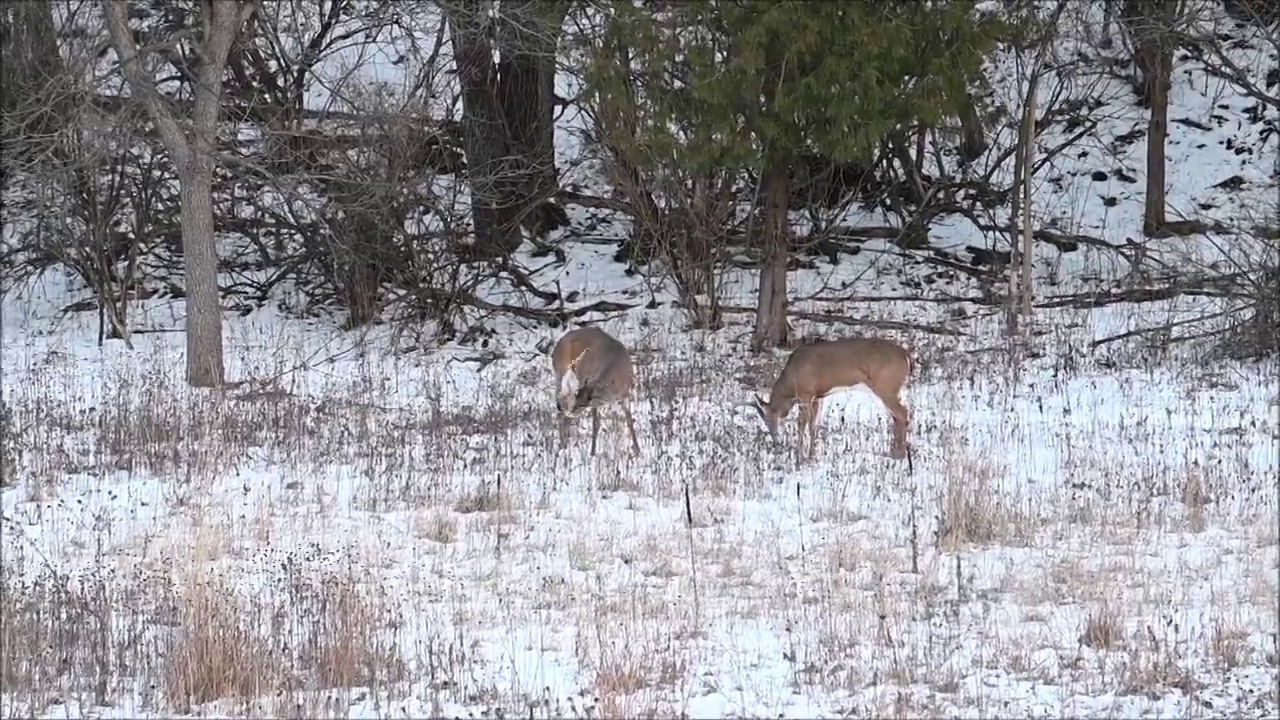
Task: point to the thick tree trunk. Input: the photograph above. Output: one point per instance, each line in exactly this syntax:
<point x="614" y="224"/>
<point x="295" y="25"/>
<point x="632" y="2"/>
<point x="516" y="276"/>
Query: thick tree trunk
<point x="772" y="329"/>
<point x="526" y="72"/>
<point x="508" y="127"/>
<point x="490" y="166"/>
<point x="200" y="275"/>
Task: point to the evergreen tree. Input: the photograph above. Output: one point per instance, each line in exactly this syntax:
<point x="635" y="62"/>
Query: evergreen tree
<point x="757" y="83"/>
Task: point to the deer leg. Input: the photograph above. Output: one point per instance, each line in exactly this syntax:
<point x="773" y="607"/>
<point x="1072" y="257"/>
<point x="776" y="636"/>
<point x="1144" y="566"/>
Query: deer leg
<point x="631" y="427"/>
<point x="595" y="428"/>
<point x="813" y="427"/>
<point x="803" y="424"/>
<point x="898" y="450"/>
<point x="564" y="430"/>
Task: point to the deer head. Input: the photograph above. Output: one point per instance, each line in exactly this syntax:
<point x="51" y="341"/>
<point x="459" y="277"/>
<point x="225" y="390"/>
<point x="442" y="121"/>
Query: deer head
<point x="767" y="414"/>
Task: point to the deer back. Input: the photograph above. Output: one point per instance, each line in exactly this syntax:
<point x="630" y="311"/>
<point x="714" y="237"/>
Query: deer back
<point x="600" y="363"/>
<point x="817" y="369"/>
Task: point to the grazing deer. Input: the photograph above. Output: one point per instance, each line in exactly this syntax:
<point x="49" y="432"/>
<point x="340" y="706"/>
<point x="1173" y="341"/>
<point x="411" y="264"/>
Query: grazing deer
<point x="592" y="369"/>
<point x="816" y="370"/>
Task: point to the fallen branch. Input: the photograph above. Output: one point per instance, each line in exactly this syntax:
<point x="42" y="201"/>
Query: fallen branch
<point x="595" y="202"/>
<point x="1159" y="328"/>
<point x="860" y="322"/>
<point x="1134" y="295"/>
<point x="549" y="317"/>
<point x="900" y="298"/>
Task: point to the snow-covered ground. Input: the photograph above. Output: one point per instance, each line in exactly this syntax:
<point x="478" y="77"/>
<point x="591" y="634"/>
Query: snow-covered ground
<point x="354" y="532"/>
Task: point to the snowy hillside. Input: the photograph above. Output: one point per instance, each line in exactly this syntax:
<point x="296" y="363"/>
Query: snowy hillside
<point x="358" y="532"/>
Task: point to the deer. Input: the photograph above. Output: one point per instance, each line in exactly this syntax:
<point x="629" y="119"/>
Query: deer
<point x="816" y="370"/>
<point x="592" y="369"/>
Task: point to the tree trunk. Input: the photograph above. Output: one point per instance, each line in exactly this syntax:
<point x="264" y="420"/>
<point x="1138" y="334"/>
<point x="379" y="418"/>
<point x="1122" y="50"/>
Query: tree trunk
<point x="485" y="138"/>
<point x="508" y="128"/>
<point x="973" y="142"/>
<point x="1028" y="162"/>
<point x="1158" y="82"/>
<point x="772" y="329"/>
<point x="529" y="35"/>
<point x="1149" y="23"/>
<point x="200" y="276"/>
<point x="526" y="72"/>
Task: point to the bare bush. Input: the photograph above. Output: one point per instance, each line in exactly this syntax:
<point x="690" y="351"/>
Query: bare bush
<point x="1254" y="327"/>
<point x="681" y="219"/>
<point x="107" y="214"/>
<point x="83" y="190"/>
<point x="1103" y="629"/>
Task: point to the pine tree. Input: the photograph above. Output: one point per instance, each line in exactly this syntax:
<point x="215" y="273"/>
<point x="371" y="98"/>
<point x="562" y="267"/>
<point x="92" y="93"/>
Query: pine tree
<point x="757" y="83"/>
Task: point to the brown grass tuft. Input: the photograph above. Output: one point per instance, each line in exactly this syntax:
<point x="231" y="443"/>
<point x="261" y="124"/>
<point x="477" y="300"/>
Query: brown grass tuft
<point x="483" y="498"/>
<point x="218" y="651"/>
<point x="620" y="678"/>
<point x="616" y="684"/>
<point x="973" y="509"/>
<point x="1228" y="644"/>
<point x="1103" y="629"/>
<point x="319" y="633"/>
<point x="344" y="640"/>
<point x="437" y="526"/>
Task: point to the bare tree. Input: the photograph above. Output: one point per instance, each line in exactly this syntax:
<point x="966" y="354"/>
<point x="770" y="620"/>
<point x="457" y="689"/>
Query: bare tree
<point x="1021" y="220"/>
<point x="1020" y="267"/>
<point x="772" y="328"/>
<point x="507" y="112"/>
<point x="191" y="143"/>
<point x="82" y="191"/>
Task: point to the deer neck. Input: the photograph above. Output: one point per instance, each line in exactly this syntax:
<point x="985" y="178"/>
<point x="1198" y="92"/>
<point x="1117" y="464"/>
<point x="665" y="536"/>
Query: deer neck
<point x="780" y="403"/>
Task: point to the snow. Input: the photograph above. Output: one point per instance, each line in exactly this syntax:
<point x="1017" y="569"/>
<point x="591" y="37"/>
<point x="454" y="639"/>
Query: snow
<point x="1083" y="537"/>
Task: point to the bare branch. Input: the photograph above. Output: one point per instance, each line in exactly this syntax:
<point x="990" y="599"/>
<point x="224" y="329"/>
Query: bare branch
<point x="142" y="81"/>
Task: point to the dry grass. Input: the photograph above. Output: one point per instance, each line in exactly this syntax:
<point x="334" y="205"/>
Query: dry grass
<point x="220" y="649"/>
<point x="1195" y="498"/>
<point x="1103" y="629"/>
<point x="436" y="526"/>
<point x="1229" y="644"/>
<point x="405" y="550"/>
<point x="975" y="509"/>
<point x="204" y="638"/>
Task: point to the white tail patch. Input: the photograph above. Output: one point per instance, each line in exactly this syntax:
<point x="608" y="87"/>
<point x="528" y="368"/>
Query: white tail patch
<point x="569" y="384"/>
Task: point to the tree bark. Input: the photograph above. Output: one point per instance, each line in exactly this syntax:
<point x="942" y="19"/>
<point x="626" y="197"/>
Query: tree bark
<point x="1153" y="212"/>
<point x="484" y="133"/>
<point x="200" y="276"/>
<point x="1028" y="162"/>
<point x="526" y="71"/>
<point x="772" y="329"/>
<point x="193" y="155"/>
<point x="1149" y="22"/>
<point x="973" y="142"/>
<point x="508" y="128"/>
